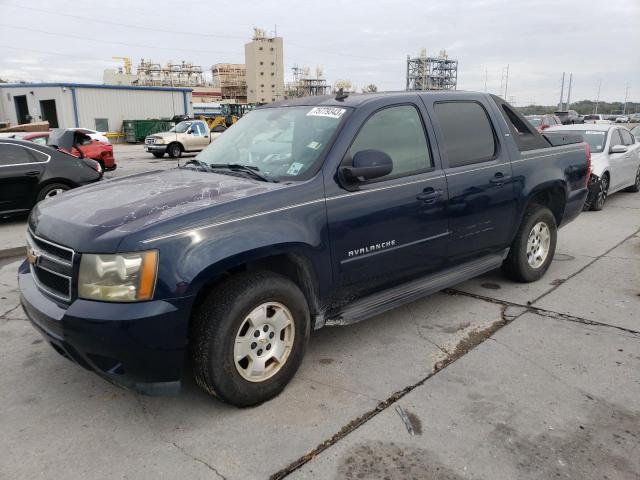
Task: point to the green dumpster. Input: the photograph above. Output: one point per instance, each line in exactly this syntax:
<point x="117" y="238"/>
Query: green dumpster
<point x="135" y="130"/>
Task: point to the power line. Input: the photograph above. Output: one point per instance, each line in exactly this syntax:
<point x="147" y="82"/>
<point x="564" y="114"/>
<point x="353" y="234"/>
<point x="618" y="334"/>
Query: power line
<point x="126" y="44"/>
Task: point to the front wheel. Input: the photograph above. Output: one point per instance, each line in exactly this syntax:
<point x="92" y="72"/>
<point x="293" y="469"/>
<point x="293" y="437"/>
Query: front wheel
<point x="533" y="247"/>
<point x="636" y="186"/>
<point x="174" y="150"/>
<point x="600" y="194"/>
<point x="248" y="337"/>
<point x="158" y="154"/>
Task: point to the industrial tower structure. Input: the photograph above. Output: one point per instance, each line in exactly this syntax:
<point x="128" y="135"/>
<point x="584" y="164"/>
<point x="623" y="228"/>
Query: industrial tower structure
<point x="307" y="85"/>
<point x="432" y="73"/>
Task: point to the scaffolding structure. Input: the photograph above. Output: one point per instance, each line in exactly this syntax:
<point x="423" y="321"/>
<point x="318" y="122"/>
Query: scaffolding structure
<point x="231" y="78"/>
<point x="184" y="74"/>
<point x="432" y="73"/>
<point x="307" y="85"/>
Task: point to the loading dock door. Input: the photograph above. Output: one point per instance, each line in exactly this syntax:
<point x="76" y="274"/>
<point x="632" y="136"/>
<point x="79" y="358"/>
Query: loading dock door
<point x="22" y="110"/>
<point x="49" y="113"/>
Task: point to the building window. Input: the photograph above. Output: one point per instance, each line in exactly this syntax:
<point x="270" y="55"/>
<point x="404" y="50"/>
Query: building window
<point x="272" y="63"/>
<point x="272" y="74"/>
<point x="261" y="63"/>
<point x="273" y="85"/>
<point x="102" y="124"/>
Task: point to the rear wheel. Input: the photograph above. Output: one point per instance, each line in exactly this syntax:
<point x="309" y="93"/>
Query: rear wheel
<point x="636" y="186"/>
<point x="174" y="150"/>
<point x="51" y="190"/>
<point x="248" y="337"/>
<point x="158" y="154"/>
<point x="533" y="247"/>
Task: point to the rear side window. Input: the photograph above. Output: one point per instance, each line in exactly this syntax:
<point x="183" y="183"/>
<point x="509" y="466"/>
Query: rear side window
<point x="627" y="138"/>
<point x="398" y="132"/>
<point x="16" y="155"/>
<point x="467" y="131"/>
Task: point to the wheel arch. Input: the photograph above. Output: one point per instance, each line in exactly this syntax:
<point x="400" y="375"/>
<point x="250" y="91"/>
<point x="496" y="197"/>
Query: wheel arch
<point x="286" y="260"/>
<point x="551" y="195"/>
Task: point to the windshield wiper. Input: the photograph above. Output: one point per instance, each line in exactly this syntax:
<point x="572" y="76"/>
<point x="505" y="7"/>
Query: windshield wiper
<point x="250" y="169"/>
<point x="199" y="163"/>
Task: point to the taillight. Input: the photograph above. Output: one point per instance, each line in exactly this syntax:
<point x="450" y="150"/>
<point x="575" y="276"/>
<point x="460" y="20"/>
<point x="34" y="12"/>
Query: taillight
<point x="587" y="149"/>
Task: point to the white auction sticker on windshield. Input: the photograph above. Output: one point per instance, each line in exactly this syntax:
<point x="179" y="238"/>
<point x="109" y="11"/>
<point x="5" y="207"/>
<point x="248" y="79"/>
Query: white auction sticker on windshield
<point x="331" y="112"/>
<point x="295" y="168"/>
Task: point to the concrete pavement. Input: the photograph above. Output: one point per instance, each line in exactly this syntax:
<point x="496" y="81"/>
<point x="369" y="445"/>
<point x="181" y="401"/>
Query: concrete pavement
<point x="495" y="379"/>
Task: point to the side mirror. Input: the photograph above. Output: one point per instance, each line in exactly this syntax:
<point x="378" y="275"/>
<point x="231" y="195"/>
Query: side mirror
<point x="189" y="132"/>
<point x="367" y="165"/>
<point x="618" y="149"/>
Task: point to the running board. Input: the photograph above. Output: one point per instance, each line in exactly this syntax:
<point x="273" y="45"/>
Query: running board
<point x="394" y="297"/>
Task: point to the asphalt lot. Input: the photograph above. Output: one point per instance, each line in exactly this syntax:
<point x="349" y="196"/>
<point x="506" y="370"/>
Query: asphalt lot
<point x="488" y="380"/>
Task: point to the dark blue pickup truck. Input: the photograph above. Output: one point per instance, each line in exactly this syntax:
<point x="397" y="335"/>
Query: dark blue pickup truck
<point x="312" y="212"/>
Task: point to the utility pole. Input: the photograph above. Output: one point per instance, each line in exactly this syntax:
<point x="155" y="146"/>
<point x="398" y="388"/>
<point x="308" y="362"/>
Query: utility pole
<point x="485" y="79"/>
<point x="506" y="82"/>
<point x="626" y="97"/>
<point x="569" y="91"/>
<point x="598" y="95"/>
<point x="561" y="94"/>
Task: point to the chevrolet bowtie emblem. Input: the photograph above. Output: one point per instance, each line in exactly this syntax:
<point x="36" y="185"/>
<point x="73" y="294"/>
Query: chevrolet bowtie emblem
<point x="32" y="256"/>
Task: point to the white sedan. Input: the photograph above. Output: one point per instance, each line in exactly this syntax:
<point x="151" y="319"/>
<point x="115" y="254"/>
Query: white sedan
<point x="615" y="160"/>
<point x="94" y="134"/>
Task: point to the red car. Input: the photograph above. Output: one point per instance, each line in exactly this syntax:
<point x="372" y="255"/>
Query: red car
<point x="542" y="122"/>
<point x="84" y="147"/>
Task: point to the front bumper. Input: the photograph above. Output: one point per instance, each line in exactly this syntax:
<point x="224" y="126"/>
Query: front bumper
<point x="155" y="148"/>
<point x="140" y="346"/>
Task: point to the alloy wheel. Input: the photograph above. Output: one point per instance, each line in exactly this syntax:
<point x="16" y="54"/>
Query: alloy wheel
<point x="264" y="341"/>
<point x="538" y="245"/>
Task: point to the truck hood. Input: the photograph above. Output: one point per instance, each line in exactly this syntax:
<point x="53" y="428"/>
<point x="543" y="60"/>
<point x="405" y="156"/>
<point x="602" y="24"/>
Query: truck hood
<point x="97" y="217"/>
<point x="167" y="135"/>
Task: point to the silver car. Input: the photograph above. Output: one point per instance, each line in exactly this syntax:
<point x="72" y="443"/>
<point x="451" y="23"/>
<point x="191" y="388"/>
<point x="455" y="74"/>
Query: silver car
<point x="615" y="160"/>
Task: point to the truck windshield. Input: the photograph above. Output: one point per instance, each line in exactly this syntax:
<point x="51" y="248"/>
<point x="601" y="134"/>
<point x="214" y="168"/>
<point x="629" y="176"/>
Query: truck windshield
<point x="595" y="138"/>
<point x="535" y="121"/>
<point x="284" y="143"/>
<point x="181" y="127"/>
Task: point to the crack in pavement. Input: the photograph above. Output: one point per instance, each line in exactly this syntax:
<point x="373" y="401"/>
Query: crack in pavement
<point x="2" y="317"/>
<point x="540" y="311"/>
<point x="465" y="345"/>
<point x="579" y="271"/>
<point x="209" y="466"/>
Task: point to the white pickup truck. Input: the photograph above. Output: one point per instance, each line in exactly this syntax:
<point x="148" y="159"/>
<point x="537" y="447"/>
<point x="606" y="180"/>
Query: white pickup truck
<point x="186" y="136"/>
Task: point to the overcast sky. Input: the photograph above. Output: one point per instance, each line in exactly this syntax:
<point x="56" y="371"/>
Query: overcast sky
<point x="364" y="41"/>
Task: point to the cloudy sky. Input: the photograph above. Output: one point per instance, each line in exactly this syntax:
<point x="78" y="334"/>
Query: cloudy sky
<point x="365" y="41"/>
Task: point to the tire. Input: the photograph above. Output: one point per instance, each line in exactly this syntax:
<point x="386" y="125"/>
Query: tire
<point x="525" y="262"/>
<point x="636" y="186"/>
<point x="174" y="150"/>
<point x="51" y="190"/>
<point x="158" y="154"/>
<point x="222" y="321"/>
<point x="599" y="197"/>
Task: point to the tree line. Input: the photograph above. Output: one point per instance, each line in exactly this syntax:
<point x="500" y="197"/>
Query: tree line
<point x="583" y="107"/>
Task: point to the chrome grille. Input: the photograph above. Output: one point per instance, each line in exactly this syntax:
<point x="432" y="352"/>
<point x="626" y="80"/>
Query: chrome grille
<point x="51" y="266"/>
<point x="149" y="140"/>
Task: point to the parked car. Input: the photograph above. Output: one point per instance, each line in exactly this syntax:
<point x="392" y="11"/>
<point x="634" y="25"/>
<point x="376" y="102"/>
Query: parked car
<point x="541" y="122"/>
<point x="186" y="136"/>
<point x="634" y="118"/>
<point x="30" y="173"/>
<point x="94" y="134"/>
<point x="597" y="118"/>
<point x="82" y="146"/>
<point x="569" y="117"/>
<point x="310" y="212"/>
<point x="622" y="119"/>
<point x="615" y="160"/>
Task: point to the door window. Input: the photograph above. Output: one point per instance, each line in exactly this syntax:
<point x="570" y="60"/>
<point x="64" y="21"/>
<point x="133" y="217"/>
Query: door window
<point x="398" y="132"/>
<point x="615" y="138"/>
<point x="17" y="155"/>
<point x="467" y="131"/>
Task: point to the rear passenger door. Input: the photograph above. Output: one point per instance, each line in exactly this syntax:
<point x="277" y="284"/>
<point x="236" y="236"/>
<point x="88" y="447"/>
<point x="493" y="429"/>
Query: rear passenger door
<point x="478" y="172"/>
<point x="617" y="162"/>
<point x="20" y="171"/>
<point x="631" y="158"/>
<point x="393" y="227"/>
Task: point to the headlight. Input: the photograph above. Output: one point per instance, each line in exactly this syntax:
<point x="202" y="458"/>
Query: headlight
<point x="124" y="277"/>
<point x="158" y="141"/>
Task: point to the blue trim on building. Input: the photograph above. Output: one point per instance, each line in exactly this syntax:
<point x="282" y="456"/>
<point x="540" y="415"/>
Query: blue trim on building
<point x="75" y="107"/>
<point x="92" y="85"/>
<point x="184" y="102"/>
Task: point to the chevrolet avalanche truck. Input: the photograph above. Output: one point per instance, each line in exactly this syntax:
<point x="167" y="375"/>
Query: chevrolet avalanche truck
<point x="187" y="136"/>
<point x="311" y="212"/>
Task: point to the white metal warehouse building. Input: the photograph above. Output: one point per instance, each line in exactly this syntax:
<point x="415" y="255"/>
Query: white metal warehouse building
<point x="99" y="107"/>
